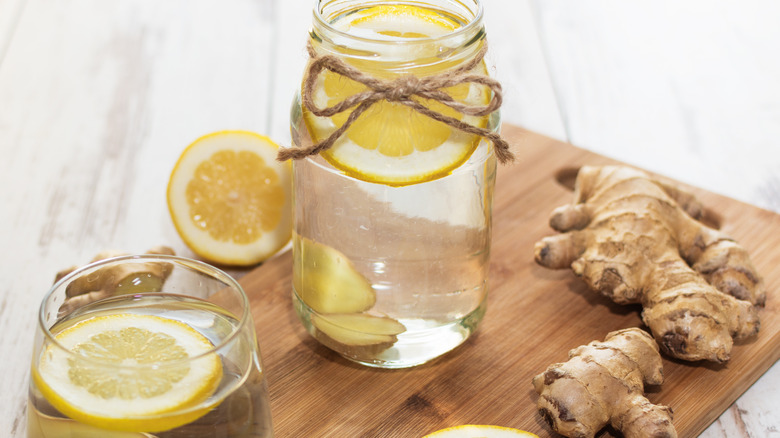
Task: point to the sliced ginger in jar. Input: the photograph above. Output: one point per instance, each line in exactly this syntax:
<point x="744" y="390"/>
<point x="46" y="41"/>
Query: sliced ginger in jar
<point x="327" y="281"/>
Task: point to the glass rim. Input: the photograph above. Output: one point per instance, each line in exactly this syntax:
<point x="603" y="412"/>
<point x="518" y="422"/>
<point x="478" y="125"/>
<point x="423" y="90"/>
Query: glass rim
<point x="473" y="23"/>
<point x="189" y="263"/>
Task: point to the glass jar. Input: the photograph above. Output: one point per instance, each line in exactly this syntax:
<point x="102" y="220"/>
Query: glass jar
<point x="392" y="224"/>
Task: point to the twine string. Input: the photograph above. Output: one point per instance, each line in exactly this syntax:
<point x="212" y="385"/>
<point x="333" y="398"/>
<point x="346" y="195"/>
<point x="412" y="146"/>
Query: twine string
<point x="399" y="90"/>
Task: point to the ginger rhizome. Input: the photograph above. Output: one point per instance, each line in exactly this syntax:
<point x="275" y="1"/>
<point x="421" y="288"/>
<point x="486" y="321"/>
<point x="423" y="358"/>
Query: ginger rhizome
<point x="603" y="383"/>
<point x="635" y="239"/>
<point x="116" y="280"/>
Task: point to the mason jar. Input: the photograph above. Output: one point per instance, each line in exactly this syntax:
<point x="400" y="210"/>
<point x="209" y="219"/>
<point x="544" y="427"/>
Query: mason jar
<point x="392" y="217"/>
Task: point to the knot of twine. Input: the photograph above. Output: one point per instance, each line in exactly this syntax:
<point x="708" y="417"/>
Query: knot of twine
<point x="400" y="90"/>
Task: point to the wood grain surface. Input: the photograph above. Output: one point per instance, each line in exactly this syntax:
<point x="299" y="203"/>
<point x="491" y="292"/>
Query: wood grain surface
<point x="534" y="317"/>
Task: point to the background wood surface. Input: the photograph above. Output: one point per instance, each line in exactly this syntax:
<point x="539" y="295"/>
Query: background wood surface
<point x="98" y="99"/>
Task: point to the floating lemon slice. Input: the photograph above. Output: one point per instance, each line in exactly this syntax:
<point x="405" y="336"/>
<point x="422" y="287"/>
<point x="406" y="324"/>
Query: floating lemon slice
<point x="141" y="393"/>
<point x="387" y="19"/>
<point x="230" y="199"/>
<point x="390" y="143"/>
<point x="480" y="431"/>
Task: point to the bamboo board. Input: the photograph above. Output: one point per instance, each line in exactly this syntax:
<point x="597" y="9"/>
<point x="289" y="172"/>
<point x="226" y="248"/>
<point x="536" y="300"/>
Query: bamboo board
<point x="535" y="316"/>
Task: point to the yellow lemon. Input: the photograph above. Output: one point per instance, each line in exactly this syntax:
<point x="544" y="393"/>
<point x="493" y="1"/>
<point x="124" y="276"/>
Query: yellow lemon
<point x="230" y="199"/>
<point x="391" y="143"/>
<point x="130" y="394"/>
<point x="480" y="431"/>
<point x="404" y="21"/>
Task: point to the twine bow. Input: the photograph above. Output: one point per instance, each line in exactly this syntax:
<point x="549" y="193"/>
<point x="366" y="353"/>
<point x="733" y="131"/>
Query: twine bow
<point x="399" y="90"/>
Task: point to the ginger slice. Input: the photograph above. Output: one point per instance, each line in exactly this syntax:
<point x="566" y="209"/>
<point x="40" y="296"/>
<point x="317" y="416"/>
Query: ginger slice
<point x="356" y="334"/>
<point x="628" y="238"/>
<point x="603" y="383"/>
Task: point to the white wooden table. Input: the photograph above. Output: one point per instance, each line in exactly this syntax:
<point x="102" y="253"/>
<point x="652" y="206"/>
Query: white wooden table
<point x="98" y="98"/>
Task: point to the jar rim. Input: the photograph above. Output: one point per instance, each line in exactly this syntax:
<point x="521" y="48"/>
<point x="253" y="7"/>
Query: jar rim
<point x="471" y="26"/>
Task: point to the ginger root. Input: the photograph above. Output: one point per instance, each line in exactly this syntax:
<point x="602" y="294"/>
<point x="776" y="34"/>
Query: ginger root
<point x="603" y="383"/>
<point x="630" y="239"/>
<point x="116" y="280"/>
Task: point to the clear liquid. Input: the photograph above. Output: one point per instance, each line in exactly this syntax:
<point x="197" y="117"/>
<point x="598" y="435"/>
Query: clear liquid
<point x="240" y="403"/>
<point x="424" y="248"/>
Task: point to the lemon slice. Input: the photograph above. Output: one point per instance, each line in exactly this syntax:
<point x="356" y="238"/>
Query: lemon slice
<point x="326" y="280"/>
<point x="480" y="431"/>
<point x="230" y="199"/>
<point x="391" y="143"/>
<point x="133" y="396"/>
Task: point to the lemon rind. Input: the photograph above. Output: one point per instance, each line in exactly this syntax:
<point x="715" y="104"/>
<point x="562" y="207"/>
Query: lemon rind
<point x="224" y="252"/>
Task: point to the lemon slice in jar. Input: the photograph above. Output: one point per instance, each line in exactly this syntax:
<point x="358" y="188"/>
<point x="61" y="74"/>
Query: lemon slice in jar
<point x="327" y="281"/>
<point x="390" y="143"/>
<point x="230" y="199"/>
<point x="357" y="329"/>
<point x="133" y="396"/>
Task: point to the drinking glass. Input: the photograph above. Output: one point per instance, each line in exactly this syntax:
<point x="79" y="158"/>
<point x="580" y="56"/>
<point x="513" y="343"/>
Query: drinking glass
<point x="147" y="346"/>
<point x="391" y="255"/>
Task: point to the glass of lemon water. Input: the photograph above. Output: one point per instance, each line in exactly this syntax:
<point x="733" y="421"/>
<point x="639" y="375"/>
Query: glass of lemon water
<point x="392" y="224"/>
<point x="147" y="346"/>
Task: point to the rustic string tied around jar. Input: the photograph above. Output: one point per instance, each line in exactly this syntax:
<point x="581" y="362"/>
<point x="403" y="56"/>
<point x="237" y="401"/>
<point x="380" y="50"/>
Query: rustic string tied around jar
<point x="400" y="90"/>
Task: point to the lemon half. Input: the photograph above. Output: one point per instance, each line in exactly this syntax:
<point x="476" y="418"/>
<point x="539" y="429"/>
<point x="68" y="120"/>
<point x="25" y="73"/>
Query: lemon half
<point x="132" y="396"/>
<point x="391" y="143"/>
<point x="230" y="200"/>
<point x="480" y="431"/>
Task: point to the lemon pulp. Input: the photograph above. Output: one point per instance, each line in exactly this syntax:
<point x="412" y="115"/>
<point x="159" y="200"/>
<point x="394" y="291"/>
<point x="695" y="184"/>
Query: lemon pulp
<point x="129" y="372"/>
<point x="391" y="143"/>
<point x="230" y="199"/>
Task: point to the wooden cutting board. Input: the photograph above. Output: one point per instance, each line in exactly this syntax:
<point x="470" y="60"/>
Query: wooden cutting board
<point x="535" y="316"/>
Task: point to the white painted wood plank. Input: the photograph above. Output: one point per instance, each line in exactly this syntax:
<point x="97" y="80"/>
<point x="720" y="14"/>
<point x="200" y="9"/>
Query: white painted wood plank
<point x="294" y="18"/>
<point x="755" y="414"/>
<point x="688" y="89"/>
<point x="98" y="100"/>
<point x="520" y="65"/>
<point x="10" y="11"/>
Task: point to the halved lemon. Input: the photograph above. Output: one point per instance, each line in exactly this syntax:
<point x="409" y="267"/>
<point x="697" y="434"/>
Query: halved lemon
<point x="149" y="385"/>
<point x="230" y="199"/>
<point x="480" y="431"/>
<point x="390" y="143"/>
